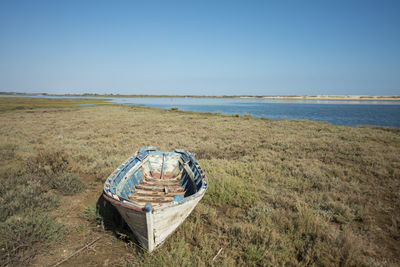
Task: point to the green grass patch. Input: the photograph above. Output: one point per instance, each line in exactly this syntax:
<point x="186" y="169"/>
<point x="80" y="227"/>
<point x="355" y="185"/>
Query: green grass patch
<point x="29" y="103"/>
<point x="92" y="214"/>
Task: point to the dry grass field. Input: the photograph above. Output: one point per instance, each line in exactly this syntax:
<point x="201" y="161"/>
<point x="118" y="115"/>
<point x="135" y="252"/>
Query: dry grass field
<point x="281" y="192"/>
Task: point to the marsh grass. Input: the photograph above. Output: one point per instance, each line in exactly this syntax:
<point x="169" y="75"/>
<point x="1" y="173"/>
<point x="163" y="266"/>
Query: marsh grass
<point x="21" y="237"/>
<point x="26" y="197"/>
<point x="67" y="184"/>
<point x="48" y="162"/>
<point x="8" y="104"/>
<point x="281" y="192"/>
<point x="92" y="214"/>
<point x="53" y="166"/>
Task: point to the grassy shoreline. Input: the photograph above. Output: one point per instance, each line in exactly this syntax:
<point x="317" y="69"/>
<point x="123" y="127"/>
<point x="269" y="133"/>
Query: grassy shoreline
<point x="293" y="192"/>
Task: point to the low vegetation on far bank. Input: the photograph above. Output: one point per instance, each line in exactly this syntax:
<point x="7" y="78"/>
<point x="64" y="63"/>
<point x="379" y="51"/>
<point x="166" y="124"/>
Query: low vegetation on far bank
<point x="9" y="104"/>
<point x="281" y="192"/>
<point x="319" y="97"/>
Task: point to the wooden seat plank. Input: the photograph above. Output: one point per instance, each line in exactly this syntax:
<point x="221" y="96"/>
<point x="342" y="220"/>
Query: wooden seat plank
<point x="161" y="183"/>
<point x="160" y="188"/>
<point x="155" y="199"/>
<point x="155" y="193"/>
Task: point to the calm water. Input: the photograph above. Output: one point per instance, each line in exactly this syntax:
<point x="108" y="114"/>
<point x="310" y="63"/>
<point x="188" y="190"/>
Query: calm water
<point x="344" y="112"/>
<point x="383" y="113"/>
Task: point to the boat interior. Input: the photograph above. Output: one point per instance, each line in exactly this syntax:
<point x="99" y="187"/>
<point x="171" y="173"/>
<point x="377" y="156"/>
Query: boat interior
<point x="157" y="178"/>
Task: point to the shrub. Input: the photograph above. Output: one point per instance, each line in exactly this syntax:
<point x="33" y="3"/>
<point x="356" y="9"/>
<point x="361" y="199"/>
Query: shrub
<point x="7" y="151"/>
<point x="20" y="237"/>
<point x="254" y="256"/>
<point x="66" y="184"/>
<point x="91" y="214"/>
<point x="20" y="192"/>
<point x="47" y="162"/>
<point x="53" y="168"/>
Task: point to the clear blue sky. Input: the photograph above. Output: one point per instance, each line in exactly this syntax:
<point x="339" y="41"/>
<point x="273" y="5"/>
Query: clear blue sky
<point x="201" y="47"/>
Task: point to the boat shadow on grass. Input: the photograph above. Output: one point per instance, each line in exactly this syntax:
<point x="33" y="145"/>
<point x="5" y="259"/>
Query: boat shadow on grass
<point x="112" y="221"/>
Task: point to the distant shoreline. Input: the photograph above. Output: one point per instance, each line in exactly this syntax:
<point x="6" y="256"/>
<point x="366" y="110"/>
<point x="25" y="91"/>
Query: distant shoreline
<point x="316" y="97"/>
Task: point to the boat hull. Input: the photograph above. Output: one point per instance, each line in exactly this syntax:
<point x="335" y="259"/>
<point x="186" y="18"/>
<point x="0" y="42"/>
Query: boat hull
<point x="155" y="192"/>
<point x="152" y="228"/>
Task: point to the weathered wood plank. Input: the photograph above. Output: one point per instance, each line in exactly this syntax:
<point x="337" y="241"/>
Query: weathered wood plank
<point x="159" y="237"/>
<point x="150" y="231"/>
<point x="162" y="183"/>
<point x="155" y="199"/>
<point x="136" y="221"/>
<point x="142" y="203"/>
<point x="160" y="188"/>
<point x="165" y="176"/>
<point x="140" y="192"/>
<point x="151" y="179"/>
<point x="169" y="215"/>
<point x="166" y="222"/>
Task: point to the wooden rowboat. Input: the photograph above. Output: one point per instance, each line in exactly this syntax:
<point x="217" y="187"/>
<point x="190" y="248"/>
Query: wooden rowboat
<point x="155" y="191"/>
